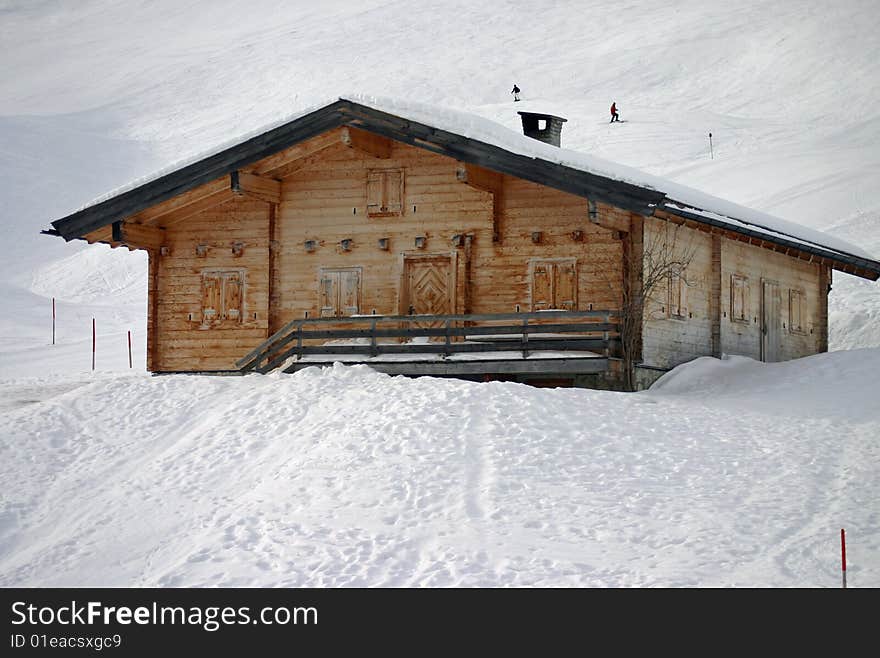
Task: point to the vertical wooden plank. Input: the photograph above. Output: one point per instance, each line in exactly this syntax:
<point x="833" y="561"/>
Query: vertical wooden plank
<point x="824" y="287"/>
<point x="350" y="292"/>
<point x="467" y="283"/>
<point x="210" y="297"/>
<point x="375" y="192"/>
<point x="393" y="192"/>
<point x="329" y="294"/>
<point x="676" y="303"/>
<point x="740" y="309"/>
<point x="542" y="285"/>
<point x="633" y="284"/>
<point x="273" y="297"/>
<point x="715" y="296"/>
<point x="153" y="311"/>
<point x="770" y="321"/>
<point x="232" y="284"/>
<point x="565" y="285"/>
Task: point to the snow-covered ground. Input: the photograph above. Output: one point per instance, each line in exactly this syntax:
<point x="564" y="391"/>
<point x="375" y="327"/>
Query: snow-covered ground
<point x="96" y="93"/>
<point x="730" y="473"/>
<point x="727" y="473"/>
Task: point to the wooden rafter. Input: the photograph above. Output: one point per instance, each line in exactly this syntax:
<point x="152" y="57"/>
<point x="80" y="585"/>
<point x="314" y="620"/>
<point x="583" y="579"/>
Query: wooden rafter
<point x="102" y="235"/>
<point x="184" y="205"/>
<point x="272" y="165"/>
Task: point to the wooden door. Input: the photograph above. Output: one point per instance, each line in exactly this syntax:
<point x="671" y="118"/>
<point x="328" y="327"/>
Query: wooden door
<point x="428" y="286"/>
<point x="771" y="324"/>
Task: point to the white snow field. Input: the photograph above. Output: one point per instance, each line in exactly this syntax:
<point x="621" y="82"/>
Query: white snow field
<point x="727" y="473"/>
<point x="730" y="473"/>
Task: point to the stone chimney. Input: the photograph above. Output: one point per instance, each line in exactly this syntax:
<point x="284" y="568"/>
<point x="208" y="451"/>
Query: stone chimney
<point x="545" y="128"/>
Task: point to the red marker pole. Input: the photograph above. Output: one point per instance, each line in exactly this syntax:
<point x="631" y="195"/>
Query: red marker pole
<point x="129" y="348"/>
<point x="53" y="320"/>
<point x="93" y="343"/>
<point x="843" y="555"/>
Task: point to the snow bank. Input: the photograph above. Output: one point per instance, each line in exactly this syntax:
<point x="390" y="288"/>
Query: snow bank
<point x="835" y="386"/>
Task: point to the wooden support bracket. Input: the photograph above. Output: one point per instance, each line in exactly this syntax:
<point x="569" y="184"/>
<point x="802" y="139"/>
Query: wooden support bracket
<point x="479" y="178"/>
<point x="609" y="221"/>
<point x="369" y="143"/>
<point x="258" y="187"/>
<point x="484" y="180"/>
<point x="137" y="236"/>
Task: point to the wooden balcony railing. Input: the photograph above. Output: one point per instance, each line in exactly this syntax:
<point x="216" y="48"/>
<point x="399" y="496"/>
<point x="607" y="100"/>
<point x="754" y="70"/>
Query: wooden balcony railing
<point x="374" y="335"/>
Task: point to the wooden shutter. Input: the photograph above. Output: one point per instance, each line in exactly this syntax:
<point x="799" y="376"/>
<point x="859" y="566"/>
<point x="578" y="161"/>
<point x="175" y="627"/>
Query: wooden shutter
<point x="232" y="296"/>
<point x="375" y="192"/>
<point x="739" y="292"/>
<point x="677" y="295"/>
<point x="210" y="296"/>
<point x="393" y="192"/>
<point x="565" y="277"/>
<point x="350" y="292"/>
<point x="385" y="192"/>
<point x="328" y="293"/>
<point x="795" y="311"/>
<point x="542" y="286"/>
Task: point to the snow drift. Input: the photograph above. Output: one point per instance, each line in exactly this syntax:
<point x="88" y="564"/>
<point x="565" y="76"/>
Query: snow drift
<point x="347" y="477"/>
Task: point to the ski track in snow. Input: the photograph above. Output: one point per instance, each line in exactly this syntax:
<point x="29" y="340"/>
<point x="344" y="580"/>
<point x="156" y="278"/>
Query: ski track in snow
<point x="346" y="477"/>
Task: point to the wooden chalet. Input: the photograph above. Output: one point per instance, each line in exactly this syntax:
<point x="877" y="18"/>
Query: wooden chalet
<point x="369" y="232"/>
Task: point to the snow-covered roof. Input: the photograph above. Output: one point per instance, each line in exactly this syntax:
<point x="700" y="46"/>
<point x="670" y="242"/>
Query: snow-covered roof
<point x="675" y="197"/>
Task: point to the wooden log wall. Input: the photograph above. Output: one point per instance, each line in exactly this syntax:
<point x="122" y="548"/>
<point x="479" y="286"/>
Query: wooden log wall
<point x="708" y="327"/>
<point x="667" y="340"/>
<point x="183" y="342"/>
<point x="789" y="273"/>
<point x="490" y="227"/>
<point x="326" y="203"/>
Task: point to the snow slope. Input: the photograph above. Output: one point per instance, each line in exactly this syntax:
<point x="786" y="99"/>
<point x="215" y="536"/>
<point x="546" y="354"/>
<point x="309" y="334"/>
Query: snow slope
<point x="96" y="93"/>
<point x="347" y="477"/>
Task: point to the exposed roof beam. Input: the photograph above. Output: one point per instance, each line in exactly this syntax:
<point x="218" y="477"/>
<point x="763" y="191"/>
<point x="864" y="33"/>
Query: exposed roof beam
<point x="185" y="203"/>
<point x="138" y="236"/>
<point x="275" y="164"/>
<point x="836" y="260"/>
<point x="479" y="178"/>
<point x="308" y="134"/>
<point x="259" y="187"/>
<point x="367" y="142"/>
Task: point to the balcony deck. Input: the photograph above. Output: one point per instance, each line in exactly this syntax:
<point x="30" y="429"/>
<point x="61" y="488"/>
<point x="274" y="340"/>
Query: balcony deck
<point x="543" y="342"/>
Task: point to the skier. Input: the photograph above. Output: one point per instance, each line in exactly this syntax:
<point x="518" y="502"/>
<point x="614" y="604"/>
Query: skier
<point x="614" y="115"/>
<point x="515" y="92"/>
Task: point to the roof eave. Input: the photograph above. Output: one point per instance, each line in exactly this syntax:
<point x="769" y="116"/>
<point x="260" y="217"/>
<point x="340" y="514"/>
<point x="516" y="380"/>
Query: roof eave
<point x="848" y="263"/>
<point x="344" y="112"/>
